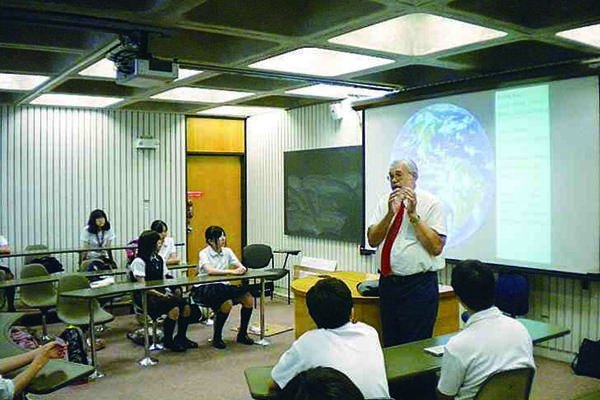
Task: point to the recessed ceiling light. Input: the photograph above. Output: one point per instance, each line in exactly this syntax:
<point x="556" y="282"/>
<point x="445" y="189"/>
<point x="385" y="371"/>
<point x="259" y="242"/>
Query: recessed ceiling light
<point x="106" y="69"/>
<point x="337" y="92"/>
<point x="200" y="95"/>
<point x="185" y="73"/>
<point x="75" y="100"/>
<point x="238" y="111"/>
<point x="101" y="69"/>
<point x="588" y="35"/>
<point x="20" y="81"/>
<point x="320" y="62"/>
<point x="417" y="34"/>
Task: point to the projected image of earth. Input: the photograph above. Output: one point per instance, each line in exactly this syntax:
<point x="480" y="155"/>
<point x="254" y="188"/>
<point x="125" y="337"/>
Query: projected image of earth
<point x="456" y="163"/>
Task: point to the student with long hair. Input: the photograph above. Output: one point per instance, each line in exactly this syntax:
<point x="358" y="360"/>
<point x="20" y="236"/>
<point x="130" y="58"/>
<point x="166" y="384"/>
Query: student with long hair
<point x="167" y="251"/>
<point x="96" y="236"/>
<point x="149" y="265"/>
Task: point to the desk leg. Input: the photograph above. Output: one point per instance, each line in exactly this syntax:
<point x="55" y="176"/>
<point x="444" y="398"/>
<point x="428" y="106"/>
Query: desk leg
<point x="147" y="361"/>
<point x="97" y="374"/>
<point x="262" y="341"/>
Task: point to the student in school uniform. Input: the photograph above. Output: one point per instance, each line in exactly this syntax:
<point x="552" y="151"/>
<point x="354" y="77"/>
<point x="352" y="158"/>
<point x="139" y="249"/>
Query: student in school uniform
<point x="167" y="250"/>
<point x="352" y="348"/>
<point x="33" y="362"/>
<point x="489" y="343"/>
<point x="96" y="235"/>
<point x="320" y="383"/>
<point x="9" y="292"/>
<point x="149" y="265"/>
<point x="216" y="259"/>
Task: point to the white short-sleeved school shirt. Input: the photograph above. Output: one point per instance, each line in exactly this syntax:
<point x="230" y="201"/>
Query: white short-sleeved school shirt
<point x="168" y="249"/>
<point x="3" y="241"/>
<point x="7" y="389"/>
<point x="408" y="255"/>
<point x="489" y="343"/>
<point x="138" y="268"/>
<point x="218" y="260"/>
<point x="353" y="349"/>
<point x="96" y="241"/>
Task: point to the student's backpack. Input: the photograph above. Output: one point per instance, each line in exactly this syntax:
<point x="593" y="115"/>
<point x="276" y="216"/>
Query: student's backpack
<point x="75" y="340"/>
<point x="51" y="264"/>
<point x="131" y="253"/>
<point x="23" y="339"/>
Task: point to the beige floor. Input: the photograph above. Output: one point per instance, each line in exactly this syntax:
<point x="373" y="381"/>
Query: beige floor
<point x="208" y="373"/>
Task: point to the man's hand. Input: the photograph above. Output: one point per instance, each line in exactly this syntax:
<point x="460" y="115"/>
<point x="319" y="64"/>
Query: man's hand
<point x="411" y="199"/>
<point x="394" y="201"/>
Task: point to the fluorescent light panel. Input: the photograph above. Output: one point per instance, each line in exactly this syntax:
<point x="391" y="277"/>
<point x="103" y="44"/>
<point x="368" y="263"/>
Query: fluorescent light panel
<point x="238" y="111"/>
<point x="21" y="81"/>
<point x="589" y="35"/>
<point x="320" y="62"/>
<point x="106" y="69"/>
<point x="200" y="95"/>
<point x="337" y="92"/>
<point x="75" y="100"/>
<point x="416" y="35"/>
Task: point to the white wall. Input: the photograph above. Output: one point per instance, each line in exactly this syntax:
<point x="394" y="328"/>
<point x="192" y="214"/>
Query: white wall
<point x="58" y="164"/>
<point x="558" y="300"/>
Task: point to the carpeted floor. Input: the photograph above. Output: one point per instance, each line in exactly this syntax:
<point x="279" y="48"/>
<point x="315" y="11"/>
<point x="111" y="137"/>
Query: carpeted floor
<point x="210" y="374"/>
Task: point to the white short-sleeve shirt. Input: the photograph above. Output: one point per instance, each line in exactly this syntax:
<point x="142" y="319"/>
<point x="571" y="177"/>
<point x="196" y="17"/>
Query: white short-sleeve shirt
<point x="96" y="241"/>
<point x="489" y="343"/>
<point x="168" y="249"/>
<point x="3" y="241"/>
<point x="138" y="268"/>
<point x="7" y="389"/>
<point x="218" y="260"/>
<point x="353" y="349"/>
<point x="408" y="255"/>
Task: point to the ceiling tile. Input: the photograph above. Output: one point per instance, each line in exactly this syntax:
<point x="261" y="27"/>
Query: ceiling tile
<point x="195" y="46"/>
<point x="522" y="54"/>
<point x="162" y="106"/>
<point x="415" y="75"/>
<point x="230" y="81"/>
<point x="35" y="61"/>
<point x="83" y="6"/>
<point x="283" y="101"/>
<point x="10" y="97"/>
<point x="95" y="87"/>
<point x="282" y="17"/>
<point x="531" y="13"/>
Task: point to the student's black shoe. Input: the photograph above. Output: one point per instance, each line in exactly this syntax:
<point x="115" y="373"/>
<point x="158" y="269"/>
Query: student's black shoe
<point x="175" y="347"/>
<point x="244" y="339"/>
<point x="218" y="343"/>
<point x="190" y="344"/>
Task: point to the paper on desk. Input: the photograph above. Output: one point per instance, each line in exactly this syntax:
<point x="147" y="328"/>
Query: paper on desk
<point x="436" y="351"/>
<point x="105" y="281"/>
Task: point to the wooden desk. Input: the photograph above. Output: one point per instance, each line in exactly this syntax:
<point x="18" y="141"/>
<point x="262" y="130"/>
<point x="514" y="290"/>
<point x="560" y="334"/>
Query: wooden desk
<point x="403" y="361"/>
<point x="121" y="288"/>
<point x="366" y="309"/>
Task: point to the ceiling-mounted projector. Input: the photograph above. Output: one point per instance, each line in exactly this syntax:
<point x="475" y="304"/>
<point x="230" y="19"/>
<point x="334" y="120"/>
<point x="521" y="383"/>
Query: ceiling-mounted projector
<point x="145" y="73"/>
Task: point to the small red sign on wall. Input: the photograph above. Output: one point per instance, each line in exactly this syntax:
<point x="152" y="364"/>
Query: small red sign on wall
<point x="195" y="195"/>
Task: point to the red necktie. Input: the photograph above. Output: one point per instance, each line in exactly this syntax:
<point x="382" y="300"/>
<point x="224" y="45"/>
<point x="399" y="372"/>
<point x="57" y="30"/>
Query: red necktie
<point x="386" y="268"/>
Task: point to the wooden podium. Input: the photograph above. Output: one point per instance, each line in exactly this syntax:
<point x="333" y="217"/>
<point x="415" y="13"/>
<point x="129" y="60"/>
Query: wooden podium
<point x="366" y="309"/>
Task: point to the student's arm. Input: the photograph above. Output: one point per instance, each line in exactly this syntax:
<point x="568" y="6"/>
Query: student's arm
<point x="289" y="365"/>
<point x="151" y="292"/>
<point x="5" y="250"/>
<point x="174" y="260"/>
<point x="37" y="359"/>
<point x="85" y="244"/>
<point x="233" y="260"/>
<point x="442" y="396"/>
<point x="452" y="376"/>
<point x="108" y="243"/>
<point x="214" y="271"/>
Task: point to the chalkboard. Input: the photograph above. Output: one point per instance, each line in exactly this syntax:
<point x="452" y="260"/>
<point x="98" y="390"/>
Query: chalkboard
<point x="324" y="195"/>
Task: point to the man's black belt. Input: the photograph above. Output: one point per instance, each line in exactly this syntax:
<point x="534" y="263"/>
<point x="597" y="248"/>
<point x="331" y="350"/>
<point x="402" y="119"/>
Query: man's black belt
<point x="401" y="279"/>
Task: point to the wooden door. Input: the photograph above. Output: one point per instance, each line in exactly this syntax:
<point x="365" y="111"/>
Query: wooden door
<point x="216" y="179"/>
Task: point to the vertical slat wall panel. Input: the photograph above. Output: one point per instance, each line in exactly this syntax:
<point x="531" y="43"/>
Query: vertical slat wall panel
<point x="553" y="299"/>
<point x="58" y="164"/>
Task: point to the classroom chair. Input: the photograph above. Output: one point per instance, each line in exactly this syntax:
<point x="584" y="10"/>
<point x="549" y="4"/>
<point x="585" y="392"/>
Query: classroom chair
<point x="513" y="384"/>
<point x="257" y="256"/>
<point x="41" y="296"/>
<point x="32" y="248"/>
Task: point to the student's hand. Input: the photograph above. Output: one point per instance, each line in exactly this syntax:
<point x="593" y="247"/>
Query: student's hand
<point x="239" y="271"/>
<point x="51" y="350"/>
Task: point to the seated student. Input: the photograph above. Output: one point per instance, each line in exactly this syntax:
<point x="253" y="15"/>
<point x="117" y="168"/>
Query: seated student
<point x="352" y="348"/>
<point x="9" y="292"/>
<point x="490" y="341"/>
<point x="167" y="251"/>
<point x="216" y="259"/>
<point x="34" y="360"/>
<point x="149" y="265"/>
<point x="95" y="236"/>
<point x="320" y="383"/>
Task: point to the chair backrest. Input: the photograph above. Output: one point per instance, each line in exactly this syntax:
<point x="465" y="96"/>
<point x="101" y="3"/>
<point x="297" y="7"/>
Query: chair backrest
<point x="33" y="247"/>
<point x="513" y="384"/>
<point x="257" y="255"/>
<point x="68" y="283"/>
<point x="84" y="264"/>
<point x="32" y="293"/>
